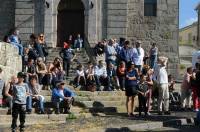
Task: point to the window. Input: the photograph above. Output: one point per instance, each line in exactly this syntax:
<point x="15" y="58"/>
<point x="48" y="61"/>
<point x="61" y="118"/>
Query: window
<point x="150" y="7"/>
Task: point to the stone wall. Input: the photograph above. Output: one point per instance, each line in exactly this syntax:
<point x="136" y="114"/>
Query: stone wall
<point x="7" y="15"/>
<point x="10" y="61"/>
<point x="162" y="29"/>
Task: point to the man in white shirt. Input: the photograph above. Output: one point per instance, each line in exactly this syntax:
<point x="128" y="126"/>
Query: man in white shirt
<point x="100" y="74"/>
<point x="138" y="56"/>
<point x="162" y="80"/>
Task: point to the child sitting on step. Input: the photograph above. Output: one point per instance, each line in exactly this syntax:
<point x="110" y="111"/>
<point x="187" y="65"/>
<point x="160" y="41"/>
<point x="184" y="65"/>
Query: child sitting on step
<point x="80" y="76"/>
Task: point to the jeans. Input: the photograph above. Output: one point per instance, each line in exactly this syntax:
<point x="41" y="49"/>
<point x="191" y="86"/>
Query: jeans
<point x="66" y="66"/>
<point x="19" y="47"/>
<point x="66" y="104"/>
<point x="18" y="109"/>
<point x="9" y="100"/>
<point x="40" y="102"/>
<point x="153" y="60"/>
<point x="163" y="96"/>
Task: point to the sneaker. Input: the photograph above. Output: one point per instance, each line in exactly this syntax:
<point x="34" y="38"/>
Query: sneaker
<point x="41" y="112"/>
<point x="148" y="113"/>
<point x="167" y="113"/>
<point x="29" y="111"/>
<point x="22" y="129"/>
<point x="13" y="130"/>
<point x="196" y="110"/>
<point x="123" y="89"/>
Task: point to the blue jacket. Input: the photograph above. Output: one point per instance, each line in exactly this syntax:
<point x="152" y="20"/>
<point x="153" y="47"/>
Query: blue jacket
<point x="56" y="95"/>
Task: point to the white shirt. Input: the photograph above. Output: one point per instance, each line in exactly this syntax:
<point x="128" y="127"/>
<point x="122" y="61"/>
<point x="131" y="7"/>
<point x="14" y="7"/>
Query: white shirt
<point x="100" y="71"/>
<point x="195" y="58"/>
<point x="62" y="93"/>
<point x="138" y="58"/>
<point x="162" y="76"/>
<point x="80" y="73"/>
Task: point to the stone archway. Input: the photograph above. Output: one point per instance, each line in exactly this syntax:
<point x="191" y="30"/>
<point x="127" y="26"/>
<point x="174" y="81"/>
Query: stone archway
<point x="70" y="20"/>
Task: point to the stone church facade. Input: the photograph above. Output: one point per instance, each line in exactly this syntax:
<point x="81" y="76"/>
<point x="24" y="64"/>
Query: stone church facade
<point x="146" y="20"/>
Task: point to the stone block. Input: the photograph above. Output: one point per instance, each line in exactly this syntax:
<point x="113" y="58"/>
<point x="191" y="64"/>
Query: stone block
<point x="26" y="30"/>
<point x="117" y="6"/>
<point x="116" y="31"/>
<point x="24" y="5"/>
<point x="117" y="12"/>
<point x="117" y="18"/>
<point x="24" y="11"/>
<point x="116" y="1"/>
<point x="24" y="18"/>
<point x="115" y="24"/>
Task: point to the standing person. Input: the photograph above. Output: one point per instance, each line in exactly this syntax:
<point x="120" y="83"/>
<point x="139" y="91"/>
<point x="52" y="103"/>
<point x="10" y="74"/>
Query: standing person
<point x="8" y="93"/>
<point x="113" y="82"/>
<point x="62" y="97"/>
<point x="153" y="54"/>
<point x="142" y="95"/>
<point x="68" y="55"/>
<point x="138" y="56"/>
<point x="125" y="54"/>
<point x="69" y="42"/>
<point x="36" y="46"/>
<point x="131" y="87"/>
<point x="14" y="39"/>
<point x="20" y="91"/>
<point x="34" y="95"/>
<point x="111" y="53"/>
<point x="149" y="80"/>
<point x="121" y="74"/>
<point x="78" y="42"/>
<point x="2" y="86"/>
<point x="186" y="91"/>
<point x="162" y="80"/>
<point x="100" y="49"/>
<point x="42" y="42"/>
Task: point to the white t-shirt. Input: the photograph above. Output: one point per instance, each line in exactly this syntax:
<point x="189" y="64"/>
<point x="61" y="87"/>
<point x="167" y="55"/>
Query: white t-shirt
<point x="80" y="73"/>
<point x="62" y="93"/>
<point x="162" y="75"/>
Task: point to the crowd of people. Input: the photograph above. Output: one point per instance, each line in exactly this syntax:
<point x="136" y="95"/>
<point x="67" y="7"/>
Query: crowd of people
<point x="126" y="67"/>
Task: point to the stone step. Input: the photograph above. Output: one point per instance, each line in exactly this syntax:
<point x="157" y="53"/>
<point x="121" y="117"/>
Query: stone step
<point x="33" y="119"/>
<point x="101" y="104"/>
<point x="88" y="93"/>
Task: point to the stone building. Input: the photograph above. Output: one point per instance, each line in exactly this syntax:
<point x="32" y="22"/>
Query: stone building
<point x="188" y="35"/>
<point x="146" y="20"/>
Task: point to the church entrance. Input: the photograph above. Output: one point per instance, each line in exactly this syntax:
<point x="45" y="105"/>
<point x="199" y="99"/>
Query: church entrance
<point x="70" y="20"/>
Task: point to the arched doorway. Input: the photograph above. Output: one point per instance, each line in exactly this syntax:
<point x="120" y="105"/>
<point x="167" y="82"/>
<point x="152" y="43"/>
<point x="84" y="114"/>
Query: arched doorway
<point x="70" y="20"/>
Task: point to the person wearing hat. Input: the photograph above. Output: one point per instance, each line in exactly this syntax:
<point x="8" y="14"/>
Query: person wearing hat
<point x="131" y="87"/>
<point x="162" y="79"/>
<point x="20" y="91"/>
<point x="62" y="97"/>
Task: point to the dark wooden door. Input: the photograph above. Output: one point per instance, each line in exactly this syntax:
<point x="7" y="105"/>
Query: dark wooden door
<point x="70" y="22"/>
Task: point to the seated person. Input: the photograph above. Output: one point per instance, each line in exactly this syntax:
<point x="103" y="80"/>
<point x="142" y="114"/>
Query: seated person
<point x="80" y="76"/>
<point x="90" y="80"/>
<point x="8" y="93"/>
<point x="62" y="96"/>
<point x="34" y="96"/>
<point x="99" y="49"/>
<point x="30" y="70"/>
<point x="113" y="81"/>
<point x="40" y="69"/>
<point x="100" y="74"/>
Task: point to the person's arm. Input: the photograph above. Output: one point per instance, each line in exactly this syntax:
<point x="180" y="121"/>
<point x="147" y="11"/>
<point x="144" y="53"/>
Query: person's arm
<point x="68" y="93"/>
<point x="7" y="88"/>
<point x="74" y="55"/>
<point x="55" y="93"/>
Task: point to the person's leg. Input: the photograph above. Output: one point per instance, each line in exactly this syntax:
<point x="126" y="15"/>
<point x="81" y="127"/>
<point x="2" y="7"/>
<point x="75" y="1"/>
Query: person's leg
<point x="15" y="112"/>
<point x="195" y="98"/>
<point x="67" y="104"/>
<point x="41" y="104"/>
<point x="149" y="99"/>
<point x="65" y="65"/>
<point x="183" y="98"/>
<point x="129" y="105"/>
<point x="140" y="103"/>
<point x="166" y="97"/>
<point x="68" y="67"/>
<point x="29" y="103"/>
<point x="10" y="102"/>
<point x="133" y="104"/>
<point x="57" y="107"/>
<point x="22" y="116"/>
<point x="160" y="97"/>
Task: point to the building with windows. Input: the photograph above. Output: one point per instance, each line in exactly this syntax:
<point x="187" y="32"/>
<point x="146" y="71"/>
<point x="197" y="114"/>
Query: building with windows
<point x="145" y="20"/>
<point x="188" y="35"/>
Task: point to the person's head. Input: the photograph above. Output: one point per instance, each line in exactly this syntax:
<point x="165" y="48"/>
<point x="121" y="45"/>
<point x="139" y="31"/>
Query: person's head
<point x="70" y="37"/>
<point x="170" y="77"/>
<point x="130" y="66"/>
<point x="111" y="42"/>
<point x="56" y="61"/>
<point x="39" y="60"/>
<point x="126" y="44"/>
<point x="153" y="44"/>
<point x="21" y="77"/>
<point x="80" y="67"/>
<point x="33" y="80"/>
<point x="138" y="44"/>
<point x="78" y="36"/>
<point x="15" y="31"/>
<point x="33" y="37"/>
<point x="6" y="39"/>
<point x="14" y="79"/>
<point x="60" y="85"/>
<point x="90" y="65"/>
<point x="142" y="78"/>
<point x="55" y="70"/>
<point x="41" y="36"/>
<point x="30" y="61"/>
<point x="122" y="64"/>
<point x="189" y="70"/>
<point x="122" y="40"/>
<point x="26" y="50"/>
<point x="110" y="65"/>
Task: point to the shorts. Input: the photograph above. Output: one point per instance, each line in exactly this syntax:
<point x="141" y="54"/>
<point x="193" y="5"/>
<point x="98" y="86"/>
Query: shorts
<point x="131" y="91"/>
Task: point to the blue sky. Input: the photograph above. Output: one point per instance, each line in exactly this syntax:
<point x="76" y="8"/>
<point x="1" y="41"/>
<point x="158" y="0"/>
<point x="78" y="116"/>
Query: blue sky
<point x="187" y="13"/>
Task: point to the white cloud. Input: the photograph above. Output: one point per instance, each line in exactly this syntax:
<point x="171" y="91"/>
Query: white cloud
<point x="190" y="21"/>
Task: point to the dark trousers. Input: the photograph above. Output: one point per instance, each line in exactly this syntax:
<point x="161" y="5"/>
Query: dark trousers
<point x="66" y="66"/>
<point x="66" y="104"/>
<point x="121" y="82"/>
<point x="142" y="104"/>
<point x="18" y="109"/>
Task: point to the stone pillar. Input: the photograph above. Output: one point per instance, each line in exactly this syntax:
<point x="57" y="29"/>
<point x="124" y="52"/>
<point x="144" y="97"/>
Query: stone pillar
<point x="24" y="18"/>
<point x="198" y="24"/>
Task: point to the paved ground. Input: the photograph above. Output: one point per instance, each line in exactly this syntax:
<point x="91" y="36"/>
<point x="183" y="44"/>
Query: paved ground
<point x="117" y="123"/>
